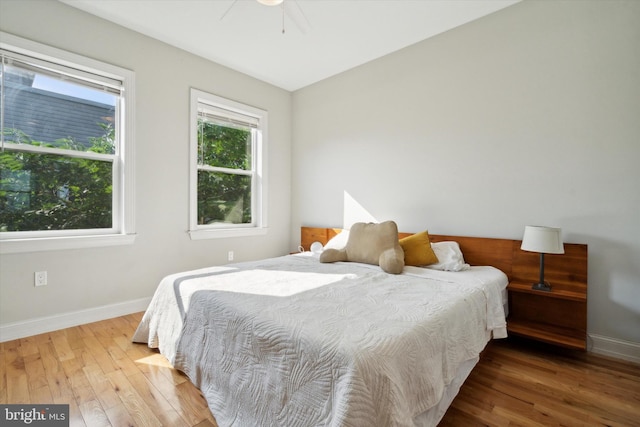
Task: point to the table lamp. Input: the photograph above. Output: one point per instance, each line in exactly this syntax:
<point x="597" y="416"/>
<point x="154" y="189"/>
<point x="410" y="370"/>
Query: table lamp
<point x="545" y="240"/>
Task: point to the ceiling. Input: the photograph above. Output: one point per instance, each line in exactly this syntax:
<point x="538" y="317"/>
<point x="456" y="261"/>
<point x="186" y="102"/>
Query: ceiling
<point x="321" y="37"/>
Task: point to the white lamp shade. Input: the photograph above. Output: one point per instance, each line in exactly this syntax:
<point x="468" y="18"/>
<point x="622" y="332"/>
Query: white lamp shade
<point x="545" y="240"/>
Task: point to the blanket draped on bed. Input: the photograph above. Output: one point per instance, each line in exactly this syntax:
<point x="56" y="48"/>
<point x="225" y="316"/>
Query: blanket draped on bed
<point x="291" y="342"/>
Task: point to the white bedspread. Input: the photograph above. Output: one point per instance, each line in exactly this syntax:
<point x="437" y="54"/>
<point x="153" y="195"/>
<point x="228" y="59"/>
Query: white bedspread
<point x="292" y="342"/>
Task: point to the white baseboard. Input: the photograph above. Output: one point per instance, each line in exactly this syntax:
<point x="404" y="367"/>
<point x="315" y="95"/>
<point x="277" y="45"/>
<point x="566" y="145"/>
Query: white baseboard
<point x="41" y="325"/>
<point x="613" y="347"/>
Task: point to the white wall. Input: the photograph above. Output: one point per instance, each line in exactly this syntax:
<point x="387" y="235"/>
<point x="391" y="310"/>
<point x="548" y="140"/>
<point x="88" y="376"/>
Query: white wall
<point x="81" y="280"/>
<point x="530" y="116"/>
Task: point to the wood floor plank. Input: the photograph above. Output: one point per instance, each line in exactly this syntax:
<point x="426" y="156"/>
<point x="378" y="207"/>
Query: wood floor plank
<point x="133" y="350"/>
<point x="49" y="358"/>
<point x="74" y="337"/>
<point x="28" y="346"/>
<point x="133" y="319"/>
<point x="3" y="376"/>
<point x="40" y="395"/>
<point x="119" y="416"/>
<point x="192" y="404"/>
<point x="154" y="375"/>
<point x="84" y="357"/>
<point x="101" y="386"/>
<point x="101" y="356"/>
<point x="60" y="387"/>
<point x="82" y="390"/>
<point x="34" y="368"/>
<point x="16" y="379"/>
<point x="482" y="413"/>
<point x="87" y="330"/>
<point x="93" y="414"/>
<point x="158" y="369"/>
<point x="18" y="389"/>
<point x="60" y="343"/>
<point x="13" y="361"/>
<point x="156" y="401"/>
<point x="131" y="399"/>
<point x="121" y="359"/>
<point x="75" y="416"/>
<point x="109" y="381"/>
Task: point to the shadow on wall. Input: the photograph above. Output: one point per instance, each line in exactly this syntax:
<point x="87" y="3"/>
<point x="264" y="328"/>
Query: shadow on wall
<point x="614" y="276"/>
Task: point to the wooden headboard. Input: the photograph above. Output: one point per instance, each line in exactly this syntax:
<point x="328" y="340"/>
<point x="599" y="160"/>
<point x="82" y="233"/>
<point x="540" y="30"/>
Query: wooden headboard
<point x="505" y="254"/>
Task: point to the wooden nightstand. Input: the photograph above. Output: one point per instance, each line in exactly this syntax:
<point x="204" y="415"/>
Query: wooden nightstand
<point x="559" y="316"/>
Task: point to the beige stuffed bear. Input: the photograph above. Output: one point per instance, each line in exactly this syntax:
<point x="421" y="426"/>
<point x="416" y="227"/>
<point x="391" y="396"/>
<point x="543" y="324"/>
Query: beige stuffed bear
<point x="371" y="243"/>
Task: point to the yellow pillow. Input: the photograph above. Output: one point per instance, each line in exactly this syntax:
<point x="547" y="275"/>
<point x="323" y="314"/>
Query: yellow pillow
<point x="417" y="250"/>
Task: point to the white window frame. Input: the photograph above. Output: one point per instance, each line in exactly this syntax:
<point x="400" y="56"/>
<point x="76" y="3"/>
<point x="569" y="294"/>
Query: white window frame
<point x="259" y="168"/>
<point x="123" y="230"/>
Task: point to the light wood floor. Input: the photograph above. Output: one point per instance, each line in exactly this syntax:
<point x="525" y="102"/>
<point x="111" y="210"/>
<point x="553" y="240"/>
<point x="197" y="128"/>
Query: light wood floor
<point x="109" y="381"/>
<point x="524" y="383"/>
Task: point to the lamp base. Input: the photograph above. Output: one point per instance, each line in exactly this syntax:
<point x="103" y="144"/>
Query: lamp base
<point x="541" y="287"/>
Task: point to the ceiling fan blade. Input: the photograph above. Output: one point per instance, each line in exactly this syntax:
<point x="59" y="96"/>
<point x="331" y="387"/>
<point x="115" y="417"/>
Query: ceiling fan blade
<point x="228" y="9"/>
<point x="296" y="14"/>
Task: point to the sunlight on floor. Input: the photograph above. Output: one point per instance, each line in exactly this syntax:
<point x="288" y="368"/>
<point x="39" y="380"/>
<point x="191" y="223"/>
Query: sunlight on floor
<point x="155" y="360"/>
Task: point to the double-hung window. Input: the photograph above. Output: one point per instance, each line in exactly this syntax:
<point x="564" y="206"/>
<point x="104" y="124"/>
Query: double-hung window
<point x="227" y="167"/>
<point x="64" y="181"/>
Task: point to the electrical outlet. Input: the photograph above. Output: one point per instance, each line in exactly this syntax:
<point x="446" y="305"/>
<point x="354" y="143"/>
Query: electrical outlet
<point x="40" y="278"/>
<point x="230" y="256"/>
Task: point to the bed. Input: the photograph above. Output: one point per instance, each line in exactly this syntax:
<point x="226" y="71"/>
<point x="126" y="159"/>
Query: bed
<point x="290" y="341"/>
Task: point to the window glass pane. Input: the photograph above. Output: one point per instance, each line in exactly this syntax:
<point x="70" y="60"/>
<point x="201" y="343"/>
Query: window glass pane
<point x="43" y="110"/>
<point x="223" y="146"/>
<point x="52" y="192"/>
<point x="224" y="198"/>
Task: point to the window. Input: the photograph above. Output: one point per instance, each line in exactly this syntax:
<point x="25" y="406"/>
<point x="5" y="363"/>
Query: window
<point x="227" y="167"/>
<point x="64" y="140"/>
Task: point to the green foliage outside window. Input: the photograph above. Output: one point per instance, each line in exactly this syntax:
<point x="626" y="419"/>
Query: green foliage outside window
<point x="55" y="192"/>
<point x="41" y="191"/>
<point x="224" y="196"/>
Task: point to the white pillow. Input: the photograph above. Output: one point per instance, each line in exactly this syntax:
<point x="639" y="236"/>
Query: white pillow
<point x="449" y="257"/>
<point x="339" y="241"/>
<point x="316" y="248"/>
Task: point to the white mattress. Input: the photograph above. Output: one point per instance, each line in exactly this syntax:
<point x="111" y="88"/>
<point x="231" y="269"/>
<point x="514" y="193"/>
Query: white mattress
<point x="291" y="341"/>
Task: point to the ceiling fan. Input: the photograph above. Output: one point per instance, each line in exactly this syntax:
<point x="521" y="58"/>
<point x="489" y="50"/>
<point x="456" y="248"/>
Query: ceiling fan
<point x="290" y="8"/>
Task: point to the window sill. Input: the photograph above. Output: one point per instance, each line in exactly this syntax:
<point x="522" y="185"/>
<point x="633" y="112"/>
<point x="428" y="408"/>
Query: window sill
<point x="9" y="246"/>
<point x="227" y="232"/>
